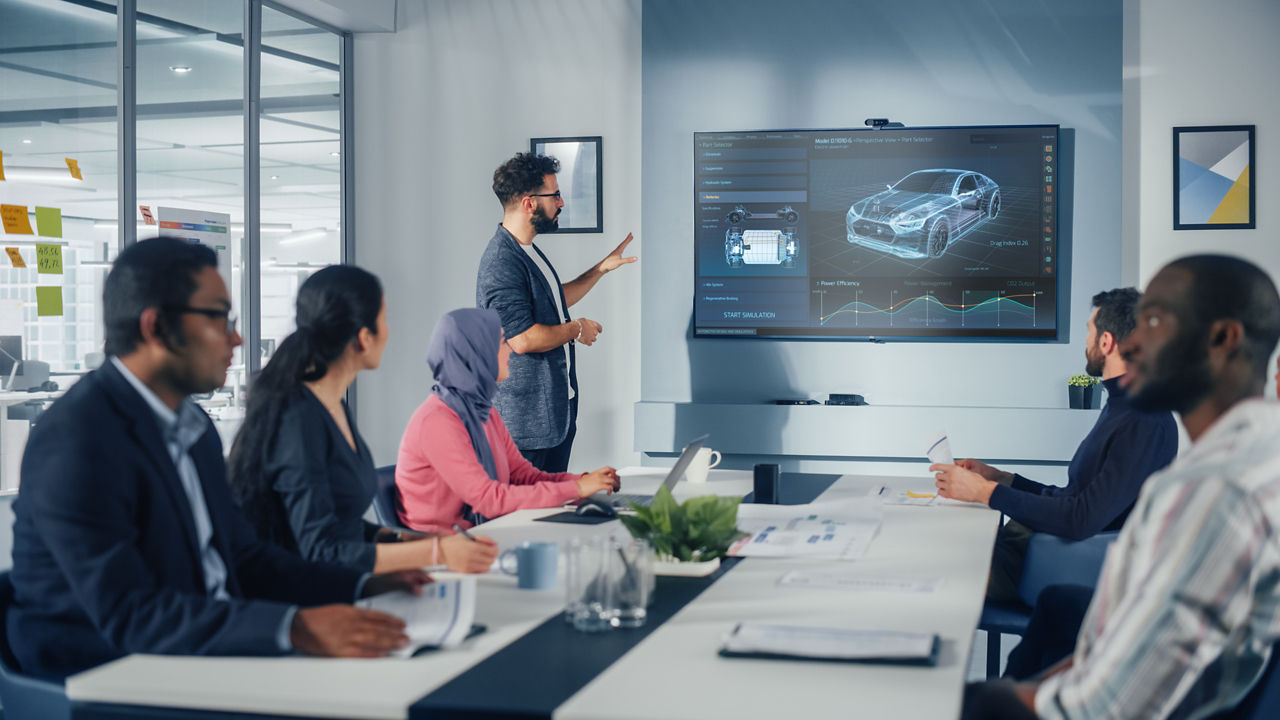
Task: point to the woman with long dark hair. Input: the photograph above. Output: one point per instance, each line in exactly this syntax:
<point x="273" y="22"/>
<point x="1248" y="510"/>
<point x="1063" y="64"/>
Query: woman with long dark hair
<point x="299" y="469"/>
<point x="457" y="462"/>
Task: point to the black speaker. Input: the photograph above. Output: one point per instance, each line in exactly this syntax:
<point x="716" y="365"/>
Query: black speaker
<point x="767" y="480"/>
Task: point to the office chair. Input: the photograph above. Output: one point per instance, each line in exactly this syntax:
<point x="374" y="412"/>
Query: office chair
<point x="386" y="501"/>
<point x="1051" y="560"/>
<point x="22" y="696"/>
<point x="1263" y="701"/>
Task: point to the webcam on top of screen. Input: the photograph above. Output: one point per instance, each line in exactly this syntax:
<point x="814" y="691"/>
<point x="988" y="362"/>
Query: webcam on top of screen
<point x="881" y="123"/>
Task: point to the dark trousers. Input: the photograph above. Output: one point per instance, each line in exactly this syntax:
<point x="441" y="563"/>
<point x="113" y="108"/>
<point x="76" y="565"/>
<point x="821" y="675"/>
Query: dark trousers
<point x="555" y="459"/>
<point x="1007" y="558"/>
<point x="993" y="700"/>
<point x="1052" y="632"/>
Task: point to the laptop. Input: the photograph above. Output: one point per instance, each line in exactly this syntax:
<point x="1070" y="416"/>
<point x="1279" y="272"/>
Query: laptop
<point x="624" y="500"/>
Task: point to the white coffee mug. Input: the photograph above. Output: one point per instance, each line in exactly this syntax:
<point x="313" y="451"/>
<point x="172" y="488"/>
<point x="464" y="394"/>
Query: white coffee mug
<point x="702" y="463"/>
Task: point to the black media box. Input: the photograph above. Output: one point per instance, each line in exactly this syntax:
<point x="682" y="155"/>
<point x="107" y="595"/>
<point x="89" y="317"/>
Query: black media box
<point x="767" y="479"/>
<point x="841" y="399"/>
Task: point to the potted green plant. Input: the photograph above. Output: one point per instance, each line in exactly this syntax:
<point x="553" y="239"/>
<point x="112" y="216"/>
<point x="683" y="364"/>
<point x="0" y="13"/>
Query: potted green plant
<point x="689" y="538"/>
<point x="1084" y="392"/>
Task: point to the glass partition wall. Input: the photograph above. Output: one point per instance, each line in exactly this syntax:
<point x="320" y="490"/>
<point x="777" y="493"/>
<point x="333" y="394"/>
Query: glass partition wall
<point x="67" y="110"/>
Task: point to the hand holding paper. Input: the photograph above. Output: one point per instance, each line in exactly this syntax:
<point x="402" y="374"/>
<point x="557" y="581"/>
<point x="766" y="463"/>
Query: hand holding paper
<point x="956" y="483"/>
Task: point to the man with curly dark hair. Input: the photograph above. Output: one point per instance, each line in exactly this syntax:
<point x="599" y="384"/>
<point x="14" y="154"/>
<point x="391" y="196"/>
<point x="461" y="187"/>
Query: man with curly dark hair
<point x="538" y="402"/>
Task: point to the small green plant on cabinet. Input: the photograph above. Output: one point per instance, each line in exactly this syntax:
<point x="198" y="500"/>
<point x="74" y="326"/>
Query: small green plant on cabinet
<point x="700" y="528"/>
<point x="1082" y="380"/>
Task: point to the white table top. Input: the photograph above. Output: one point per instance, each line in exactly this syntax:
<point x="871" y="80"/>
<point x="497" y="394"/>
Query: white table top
<point x="914" y="542"/>
<point x="678" y="657"/>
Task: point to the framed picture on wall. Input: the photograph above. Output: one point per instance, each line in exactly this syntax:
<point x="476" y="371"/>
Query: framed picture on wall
<point x="581" y="169"/>
<point x="1213" y="171"/>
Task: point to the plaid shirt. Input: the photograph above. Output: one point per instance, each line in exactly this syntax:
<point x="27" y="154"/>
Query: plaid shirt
<point x="1188" y="603"/>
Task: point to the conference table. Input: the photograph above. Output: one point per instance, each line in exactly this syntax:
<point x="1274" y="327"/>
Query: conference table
<point x="531" y="663"/>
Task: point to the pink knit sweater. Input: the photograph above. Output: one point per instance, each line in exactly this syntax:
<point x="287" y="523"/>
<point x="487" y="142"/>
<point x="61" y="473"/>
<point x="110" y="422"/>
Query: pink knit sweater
<point x="437" y="471"/>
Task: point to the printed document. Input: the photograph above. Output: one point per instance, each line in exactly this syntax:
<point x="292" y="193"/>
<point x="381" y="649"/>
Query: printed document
<point x="440" y="617"/>
<point x="825" y="580"/>
<point x="837" y="529"/>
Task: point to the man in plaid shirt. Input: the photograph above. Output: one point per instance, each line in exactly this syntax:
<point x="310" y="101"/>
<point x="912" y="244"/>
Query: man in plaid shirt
<point x="1187" y="607"/>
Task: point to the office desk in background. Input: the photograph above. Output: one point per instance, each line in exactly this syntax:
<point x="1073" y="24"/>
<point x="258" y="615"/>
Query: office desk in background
<point x="13" y="435"/>
<point x="530" y="663"/>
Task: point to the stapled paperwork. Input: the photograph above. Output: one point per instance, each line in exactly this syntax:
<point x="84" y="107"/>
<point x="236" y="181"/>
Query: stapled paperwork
<point x="825" y="580"/>
<point x="836" y="530"/>
<point x="440" y="617"/>
<point x="794" y="642"/>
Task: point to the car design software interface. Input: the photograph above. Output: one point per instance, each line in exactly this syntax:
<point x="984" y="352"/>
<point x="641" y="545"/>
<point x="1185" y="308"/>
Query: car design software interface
<point x="915" y="232"/>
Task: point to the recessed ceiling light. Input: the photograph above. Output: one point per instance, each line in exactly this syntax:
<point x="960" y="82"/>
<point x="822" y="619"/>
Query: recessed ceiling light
<point x="26" y="141"/>
<point x="275" y="177"/>
<point x="335" y="153"/>
<point x="180" y="69"/>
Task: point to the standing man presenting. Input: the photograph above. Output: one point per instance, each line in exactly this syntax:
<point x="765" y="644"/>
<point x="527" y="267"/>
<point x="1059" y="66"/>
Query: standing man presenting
<point x="538" y="401"/>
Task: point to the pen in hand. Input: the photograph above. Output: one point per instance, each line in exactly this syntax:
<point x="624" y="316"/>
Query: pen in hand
<point x="464" y="533"/>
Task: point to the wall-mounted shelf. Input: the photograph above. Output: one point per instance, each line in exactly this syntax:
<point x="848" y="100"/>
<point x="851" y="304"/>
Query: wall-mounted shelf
<point x="866" y="432"/>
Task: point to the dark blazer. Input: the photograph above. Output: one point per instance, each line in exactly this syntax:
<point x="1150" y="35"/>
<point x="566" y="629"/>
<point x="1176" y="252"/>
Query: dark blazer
<point x="105" y="561"/>
<point x="534" y="399"/>
<point x="320" y="487"/>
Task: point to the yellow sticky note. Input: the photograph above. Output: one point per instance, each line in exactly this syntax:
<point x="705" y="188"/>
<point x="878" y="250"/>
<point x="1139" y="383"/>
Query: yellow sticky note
<point x="15" y="257"/>
<point x="48" y="222"/>
<point x="920" y="496"/>
<point x="49" y="259"/>
<point x="49" y="301"/>
<point x="1" y="164"/>
<point x="74" y="167"/>
<point x="15" y="219"/>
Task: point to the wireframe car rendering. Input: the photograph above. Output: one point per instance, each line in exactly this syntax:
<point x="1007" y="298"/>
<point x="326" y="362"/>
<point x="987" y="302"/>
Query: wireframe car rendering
<point x="761" y="247"/>
<point x="923" y="213"/>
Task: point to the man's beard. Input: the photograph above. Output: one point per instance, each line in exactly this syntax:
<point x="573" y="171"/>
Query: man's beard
<point x="1093" y="363"/>
<point x="543" y="224"/>
<point x="1179" y="378"/>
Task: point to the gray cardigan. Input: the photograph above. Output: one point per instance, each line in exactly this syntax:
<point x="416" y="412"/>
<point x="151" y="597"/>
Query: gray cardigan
<point x="534" y="399"/>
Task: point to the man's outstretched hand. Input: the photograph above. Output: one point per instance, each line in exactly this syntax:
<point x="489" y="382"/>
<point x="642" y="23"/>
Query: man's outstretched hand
<point x="614" y="260"/>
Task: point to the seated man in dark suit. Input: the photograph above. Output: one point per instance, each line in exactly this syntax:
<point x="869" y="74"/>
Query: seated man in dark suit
<point x="126" y="538"/>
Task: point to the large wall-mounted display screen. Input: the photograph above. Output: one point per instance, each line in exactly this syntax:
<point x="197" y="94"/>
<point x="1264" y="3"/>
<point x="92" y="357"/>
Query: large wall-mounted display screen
<point x="947" y="233"/>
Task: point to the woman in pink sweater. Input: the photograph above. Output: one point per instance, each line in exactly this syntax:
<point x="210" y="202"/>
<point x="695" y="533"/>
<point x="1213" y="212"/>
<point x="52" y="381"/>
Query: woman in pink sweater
<point x="457" y="463"/>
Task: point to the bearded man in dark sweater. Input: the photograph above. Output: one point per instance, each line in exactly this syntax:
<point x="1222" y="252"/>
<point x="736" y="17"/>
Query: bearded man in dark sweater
<point x="1124" y="447"/>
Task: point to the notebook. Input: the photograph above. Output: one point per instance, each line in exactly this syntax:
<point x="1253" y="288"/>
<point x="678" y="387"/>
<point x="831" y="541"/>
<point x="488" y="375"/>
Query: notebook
<point x="790" y="642"/>
<point x="626" y="500"/>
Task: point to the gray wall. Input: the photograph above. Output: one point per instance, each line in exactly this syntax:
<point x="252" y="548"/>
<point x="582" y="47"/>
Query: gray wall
<point x="460" y="87"/>
<point x="756" y="64"/>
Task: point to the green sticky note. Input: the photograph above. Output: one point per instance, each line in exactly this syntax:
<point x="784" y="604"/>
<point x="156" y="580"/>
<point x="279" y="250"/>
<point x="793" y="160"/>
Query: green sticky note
<point x="49" y="259"/>
<point x="48" y="222"/>
<point x="49" y="301"/>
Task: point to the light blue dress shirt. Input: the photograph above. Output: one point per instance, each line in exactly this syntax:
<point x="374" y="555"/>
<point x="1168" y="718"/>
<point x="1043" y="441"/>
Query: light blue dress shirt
<point x="181" y="430"/>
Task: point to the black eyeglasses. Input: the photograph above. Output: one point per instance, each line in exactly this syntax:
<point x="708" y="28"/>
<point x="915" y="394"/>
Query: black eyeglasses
<point x="225" y="315"/>
<point x="555" y="195"/>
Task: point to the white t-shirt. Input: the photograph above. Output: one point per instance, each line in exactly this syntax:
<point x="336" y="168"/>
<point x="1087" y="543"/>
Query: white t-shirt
<point x="536" y="257"/>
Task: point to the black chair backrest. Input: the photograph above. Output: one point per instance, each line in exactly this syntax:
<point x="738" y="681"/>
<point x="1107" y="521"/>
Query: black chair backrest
<point x="7" y="658"/>
<point x="1263" y="701"/>
<point x="386" y="501"/>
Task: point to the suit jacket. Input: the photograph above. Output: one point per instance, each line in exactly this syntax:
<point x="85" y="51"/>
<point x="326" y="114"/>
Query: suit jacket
<point x="534" y="399"/>
<point x="105" y="557"/>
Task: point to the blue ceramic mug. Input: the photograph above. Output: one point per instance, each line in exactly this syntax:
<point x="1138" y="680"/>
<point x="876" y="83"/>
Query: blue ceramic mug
<point x="535" y="564"/>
